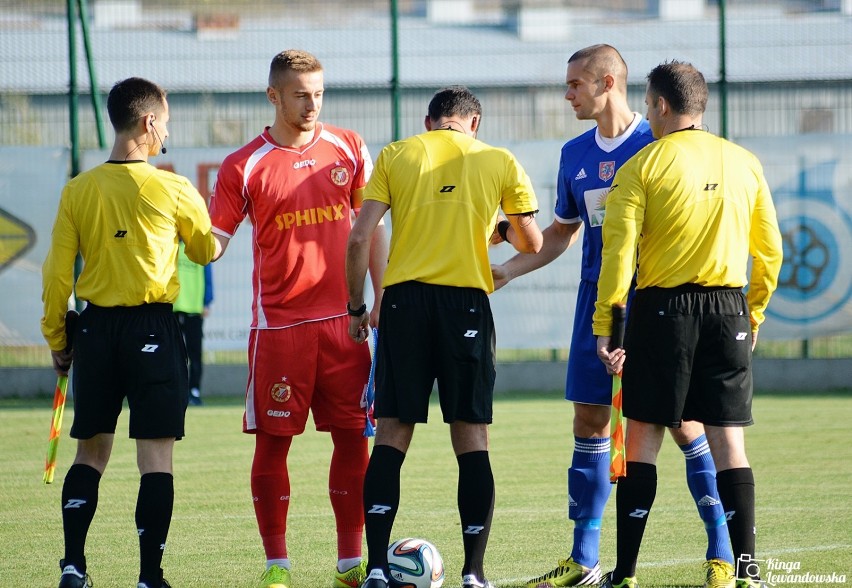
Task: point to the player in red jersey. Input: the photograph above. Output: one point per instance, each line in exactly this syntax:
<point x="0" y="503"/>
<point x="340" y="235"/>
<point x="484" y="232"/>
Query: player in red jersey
<point x="299" y="183"/>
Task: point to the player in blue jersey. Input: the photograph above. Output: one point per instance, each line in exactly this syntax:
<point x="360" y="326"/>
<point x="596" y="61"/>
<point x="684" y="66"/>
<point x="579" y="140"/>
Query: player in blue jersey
<point x="597" y="90"/>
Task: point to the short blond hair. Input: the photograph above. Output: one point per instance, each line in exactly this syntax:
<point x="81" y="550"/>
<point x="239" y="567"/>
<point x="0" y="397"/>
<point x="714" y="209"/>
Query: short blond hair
<point x="292" y="60"/>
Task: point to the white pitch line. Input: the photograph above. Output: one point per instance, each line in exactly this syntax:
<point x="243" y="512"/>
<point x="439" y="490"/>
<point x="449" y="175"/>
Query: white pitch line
<point x="764" y="553"/>
<point x="670" y="562"/>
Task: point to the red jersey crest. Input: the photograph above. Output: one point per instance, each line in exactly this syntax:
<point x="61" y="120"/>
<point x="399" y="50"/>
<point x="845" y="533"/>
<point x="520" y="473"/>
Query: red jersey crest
<point x="340" y="175"/>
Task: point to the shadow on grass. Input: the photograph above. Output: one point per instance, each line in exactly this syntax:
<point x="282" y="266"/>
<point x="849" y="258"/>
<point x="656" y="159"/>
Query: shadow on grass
<point x="46" y="402"/>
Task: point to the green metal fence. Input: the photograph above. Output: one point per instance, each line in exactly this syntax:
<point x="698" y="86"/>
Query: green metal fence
<point x="777" y="69"/>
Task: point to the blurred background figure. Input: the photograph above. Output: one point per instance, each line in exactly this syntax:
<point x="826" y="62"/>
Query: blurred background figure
<point x="191" y="306"/>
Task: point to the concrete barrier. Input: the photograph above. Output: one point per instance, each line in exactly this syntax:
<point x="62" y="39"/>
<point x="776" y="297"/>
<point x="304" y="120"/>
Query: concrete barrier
<point x="230" y="380"/>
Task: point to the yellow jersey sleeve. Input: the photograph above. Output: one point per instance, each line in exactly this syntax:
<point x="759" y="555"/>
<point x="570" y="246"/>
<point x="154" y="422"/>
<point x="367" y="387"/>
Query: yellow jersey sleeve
<point x="625" y="209"/>
<point x="58" y="275"/>
<point x="518" y="196"/>
<point x="766" y="250"/>
<point x="194" y="225"/>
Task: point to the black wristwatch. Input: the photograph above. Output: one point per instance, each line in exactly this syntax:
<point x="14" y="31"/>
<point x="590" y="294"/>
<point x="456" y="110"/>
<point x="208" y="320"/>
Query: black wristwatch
<point x="358" y="311"/>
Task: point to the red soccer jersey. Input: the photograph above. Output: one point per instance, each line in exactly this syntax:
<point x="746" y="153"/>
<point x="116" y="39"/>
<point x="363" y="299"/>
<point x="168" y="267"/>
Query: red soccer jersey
<point x="299" y="202"/>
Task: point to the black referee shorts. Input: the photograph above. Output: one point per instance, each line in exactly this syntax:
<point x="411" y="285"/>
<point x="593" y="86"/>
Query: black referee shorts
<point x="688" y="357"/>
<point x="137" y="353"/>
<point x="431" y="333"/>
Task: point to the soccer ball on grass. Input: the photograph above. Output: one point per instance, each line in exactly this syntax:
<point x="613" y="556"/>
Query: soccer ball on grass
<point x="415" y="563"/>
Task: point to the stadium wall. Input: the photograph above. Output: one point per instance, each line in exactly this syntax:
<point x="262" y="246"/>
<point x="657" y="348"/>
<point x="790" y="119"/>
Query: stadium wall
<point x="783" y="375"/>
<point x="810" y="176"/>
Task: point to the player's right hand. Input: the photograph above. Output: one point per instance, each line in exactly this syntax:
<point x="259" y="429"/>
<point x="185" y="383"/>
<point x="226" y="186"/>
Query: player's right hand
<point x="61" y="361"/>
<point x="613" y="360"/>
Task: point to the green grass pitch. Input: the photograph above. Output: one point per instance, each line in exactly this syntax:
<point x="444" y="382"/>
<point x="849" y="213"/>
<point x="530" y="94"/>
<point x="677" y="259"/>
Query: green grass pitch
<point x="799" y="449"/>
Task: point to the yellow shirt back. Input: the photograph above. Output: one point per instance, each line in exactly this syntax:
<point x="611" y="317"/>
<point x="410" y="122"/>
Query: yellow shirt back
<point x="444" y="189"/>
<point x="125" y="220"/>
<point x="695" y="207"/>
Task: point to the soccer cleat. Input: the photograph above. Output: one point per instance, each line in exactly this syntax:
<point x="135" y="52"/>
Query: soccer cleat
<point x="471" y="581"/>
<point x="376" y="579"/>
<point x="625" y="583"/>
<point x="720" y="574"/>
<point x="275" y="577"/>
<point x="750" y="583"/>
<point x="351" y="578"/>
<point x="158" y="582"/>
<point x="71" y="578"/>
<point x="568" y="573"/>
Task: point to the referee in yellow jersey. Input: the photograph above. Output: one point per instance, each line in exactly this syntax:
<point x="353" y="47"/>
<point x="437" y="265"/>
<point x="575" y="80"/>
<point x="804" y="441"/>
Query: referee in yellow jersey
<point x="694" y="208"/>
<point x="125" y="218"/>
<point x="443" y="188"/>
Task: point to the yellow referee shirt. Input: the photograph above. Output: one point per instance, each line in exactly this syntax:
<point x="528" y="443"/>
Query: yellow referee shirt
<point x="444" y="189"/>
<point x="125" y="220"/>
<point x="695" y="207"/>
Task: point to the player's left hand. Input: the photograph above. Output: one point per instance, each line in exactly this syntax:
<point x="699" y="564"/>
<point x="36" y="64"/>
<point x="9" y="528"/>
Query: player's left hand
<point x="495" y="236"/>
<point x="500" y="275"/>
<point x="374" y="315"/>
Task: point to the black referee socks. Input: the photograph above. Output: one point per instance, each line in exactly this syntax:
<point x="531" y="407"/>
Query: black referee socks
<point x="79" y="503"/>
<point x="634" y="497"/>
<point x="736" y="490"/>
<point x="153" y="517"/>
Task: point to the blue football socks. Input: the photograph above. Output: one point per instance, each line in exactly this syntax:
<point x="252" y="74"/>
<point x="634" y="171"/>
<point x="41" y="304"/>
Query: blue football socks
<point x="701" y="479"/>
<point x="588" y="491"/>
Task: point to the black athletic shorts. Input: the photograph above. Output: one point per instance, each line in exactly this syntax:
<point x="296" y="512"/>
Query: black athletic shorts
<point x="688" y="357"/>
<point x="137" y="353"/>
<point x="430" y="333"/>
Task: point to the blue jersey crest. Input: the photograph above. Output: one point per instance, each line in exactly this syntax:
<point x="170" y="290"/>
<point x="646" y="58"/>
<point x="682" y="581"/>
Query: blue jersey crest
<point x="586" y="169"/>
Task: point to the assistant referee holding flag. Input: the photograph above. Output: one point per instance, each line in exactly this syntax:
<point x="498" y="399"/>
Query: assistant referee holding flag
<point x="695" y="208"/>
<point x="125" y="217"/>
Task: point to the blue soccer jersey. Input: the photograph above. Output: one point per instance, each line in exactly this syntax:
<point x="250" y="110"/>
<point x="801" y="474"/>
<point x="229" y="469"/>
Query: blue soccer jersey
<point x="586" y="168"/>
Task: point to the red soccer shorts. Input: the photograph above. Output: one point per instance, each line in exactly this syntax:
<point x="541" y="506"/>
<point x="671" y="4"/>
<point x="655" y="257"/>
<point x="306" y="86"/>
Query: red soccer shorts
<point x="313" y="367"/>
